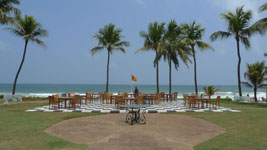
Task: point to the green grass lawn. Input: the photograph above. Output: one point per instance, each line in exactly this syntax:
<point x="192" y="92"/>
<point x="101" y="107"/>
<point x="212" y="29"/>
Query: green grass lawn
<point x="25" y="130"/>
<point x="244" y="131"/>
<point x="20" y="130"/>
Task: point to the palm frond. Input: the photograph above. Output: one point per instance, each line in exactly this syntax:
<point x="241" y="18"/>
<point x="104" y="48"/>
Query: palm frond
<point x="96" y="49"/>
<point x="204" y="46"/>
<point x="247" y="84"/>
<point x="220" y="34"/>
<point x="142" y="49"/>
<point x="263" y="7"/>
<point x="245" y="41"/>
<point x="39" y="42"/>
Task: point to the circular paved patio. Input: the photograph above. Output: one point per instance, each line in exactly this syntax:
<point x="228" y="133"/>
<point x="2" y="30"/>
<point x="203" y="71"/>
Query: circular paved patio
<point x="162" y="132"/>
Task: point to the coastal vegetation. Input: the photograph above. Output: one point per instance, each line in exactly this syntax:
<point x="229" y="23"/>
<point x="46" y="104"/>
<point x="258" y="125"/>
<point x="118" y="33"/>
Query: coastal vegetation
<point x="193" y="34"/>
<point x="152" y="40"/>
<point x="8" y="12"/>
<point x="110" y="38"/>
<point x="256" y="75"/>
<point x="172" y="48"/>
<point x="30" y="30"/>
<point x="238" y="26"/>
<point x="210" y="90"/>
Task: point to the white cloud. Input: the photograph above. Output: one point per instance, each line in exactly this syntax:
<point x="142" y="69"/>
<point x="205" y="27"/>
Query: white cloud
<point x="230" y="5"/>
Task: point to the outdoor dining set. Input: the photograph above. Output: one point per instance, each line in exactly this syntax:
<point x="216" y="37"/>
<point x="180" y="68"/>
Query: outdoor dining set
<point x="73" y="101"/>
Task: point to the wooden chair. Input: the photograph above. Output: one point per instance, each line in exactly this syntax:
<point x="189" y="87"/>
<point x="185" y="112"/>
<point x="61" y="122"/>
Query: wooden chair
<point x="54" y="102"/>
<point x="156" y="98"/>
<point x="193" y="102"/>
<point x="175" y="96"/>
<point x="103" y="97"/>
<point x="140" y="100"/>
<point x="88" y="97"/>
<point x="119" y="101"/>
<point x="215" y="103"/>
<point x="108" y="97"/>
<point x="76" y="102"/>
<point x="162" y="96"/>
<point x="125" y="94"/>
<point x="185" y="99"/>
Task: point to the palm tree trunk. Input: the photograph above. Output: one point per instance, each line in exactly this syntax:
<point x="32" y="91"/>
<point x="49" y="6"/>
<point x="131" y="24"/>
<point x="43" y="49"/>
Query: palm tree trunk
<point x="238" y="65"/>
<point x="20" y="67"/>
<point x="170" y="79"/>
<point x="195" y="69"/>
<point x="255" y="94"/>
<point x="157" y="70"/>
<point x="107" y="71"/>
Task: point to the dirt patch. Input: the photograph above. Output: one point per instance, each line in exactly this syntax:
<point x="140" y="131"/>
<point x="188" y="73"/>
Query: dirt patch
<point x="162" y="132"/>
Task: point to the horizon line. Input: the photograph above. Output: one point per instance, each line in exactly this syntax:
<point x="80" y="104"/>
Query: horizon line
<point x="123" y="84"/>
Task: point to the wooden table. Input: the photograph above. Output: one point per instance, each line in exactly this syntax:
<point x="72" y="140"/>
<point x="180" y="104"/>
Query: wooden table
<point x="65" y="99"/>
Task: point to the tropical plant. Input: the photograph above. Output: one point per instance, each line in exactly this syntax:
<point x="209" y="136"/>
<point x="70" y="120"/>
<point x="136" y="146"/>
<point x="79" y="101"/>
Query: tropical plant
<point x="110" y="38"/>
<point x="152" y="40"/>
<point x="210" y="90"/>
<point x="261" y="25"/>
<point x="30" y="30"/>
<point x="172" y="48"/>
<point x="7" y="9"/>
<point x="255" y="76"/>
<point x="193" y="35"/>
<point x="238" y="27"/>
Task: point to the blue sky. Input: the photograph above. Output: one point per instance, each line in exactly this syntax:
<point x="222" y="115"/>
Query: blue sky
<point x="72" y="23"/>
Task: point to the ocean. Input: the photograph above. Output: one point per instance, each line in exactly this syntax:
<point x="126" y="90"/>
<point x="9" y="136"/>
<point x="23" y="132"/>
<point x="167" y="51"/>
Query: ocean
<point x="44" y="90"/>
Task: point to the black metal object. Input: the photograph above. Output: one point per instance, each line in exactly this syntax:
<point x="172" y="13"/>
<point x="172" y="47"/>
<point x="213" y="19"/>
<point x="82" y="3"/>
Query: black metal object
<point x="134" y="115"/>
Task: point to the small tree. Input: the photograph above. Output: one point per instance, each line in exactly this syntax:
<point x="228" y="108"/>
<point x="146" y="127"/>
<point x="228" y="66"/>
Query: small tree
<point x="255" y="76"/>
<point x="210" y="90"/>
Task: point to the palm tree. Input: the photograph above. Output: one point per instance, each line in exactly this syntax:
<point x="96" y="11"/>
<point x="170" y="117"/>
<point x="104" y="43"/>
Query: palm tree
<point x="7" y="9"/>
<point x="210" y="90"/>
<point x="193" y="34"/>
<point x="261" y="25"/>
<point x="171" y="48"/>
<point x="238" y="27"/>
<point x="109" y="38"/>
<point x="152" y="40"/>
<point x="30" y="30"/>
<point x="255" y="76"/>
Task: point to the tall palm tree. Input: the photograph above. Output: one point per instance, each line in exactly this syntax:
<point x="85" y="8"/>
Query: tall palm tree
<point x="255" y="76"/>
<point x="7" y="9"/>
<point x="238" y="27"/>
<point x="193" y="35"/>
<point x="172" y="48"/>
<point x="109" y="38"/>
<point x="30" y="30"/>
<point x="152" y="40"/>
